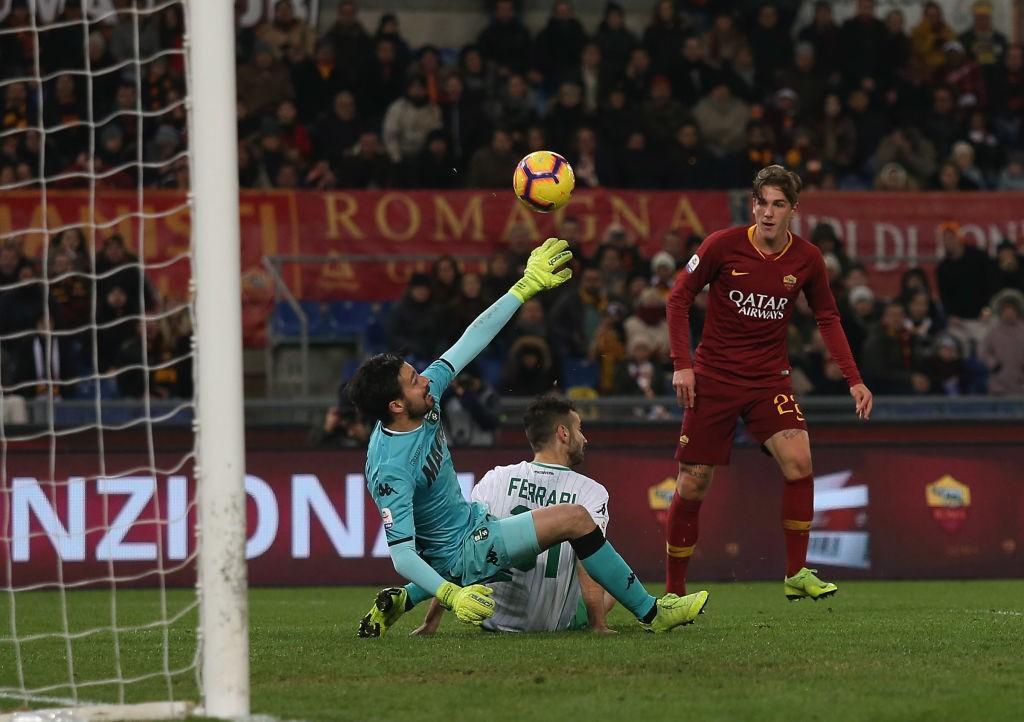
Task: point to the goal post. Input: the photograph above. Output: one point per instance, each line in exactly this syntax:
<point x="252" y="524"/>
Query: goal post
<point x="220" y="468"/>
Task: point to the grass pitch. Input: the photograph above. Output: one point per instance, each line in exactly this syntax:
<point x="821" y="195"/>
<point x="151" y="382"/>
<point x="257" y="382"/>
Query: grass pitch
<point x="877" y="651"/>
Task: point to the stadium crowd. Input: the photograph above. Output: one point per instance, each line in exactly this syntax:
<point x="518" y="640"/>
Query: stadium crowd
<point x="698" y="100"/>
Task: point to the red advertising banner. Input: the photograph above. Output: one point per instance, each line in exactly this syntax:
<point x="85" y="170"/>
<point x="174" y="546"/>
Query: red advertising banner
<point x="893" y="229"/>
<point x="880" y="511"/>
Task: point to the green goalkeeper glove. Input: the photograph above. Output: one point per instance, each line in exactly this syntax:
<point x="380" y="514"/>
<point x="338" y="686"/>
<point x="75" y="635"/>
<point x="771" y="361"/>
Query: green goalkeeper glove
<point x="540" y="274"/>
<point x="472" y="604"/>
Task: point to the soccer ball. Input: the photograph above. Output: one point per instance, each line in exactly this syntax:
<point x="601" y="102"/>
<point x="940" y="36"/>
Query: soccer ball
<point x="543" y="181"/>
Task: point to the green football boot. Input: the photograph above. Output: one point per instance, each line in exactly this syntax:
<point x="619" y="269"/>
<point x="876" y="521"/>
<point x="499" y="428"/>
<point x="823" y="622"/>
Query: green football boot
<point x="675" y="611"/>
<point x="804" y="584"/>
<point x="388" y="606"/>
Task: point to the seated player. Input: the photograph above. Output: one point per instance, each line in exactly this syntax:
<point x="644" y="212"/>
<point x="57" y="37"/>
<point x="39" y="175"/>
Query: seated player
<point x="445" y="546"/>
<point x="557" y="593"/>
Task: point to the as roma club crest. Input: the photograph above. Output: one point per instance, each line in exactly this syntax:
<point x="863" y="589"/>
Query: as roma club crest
<point x="789" y="282"/>
<point x="659" y="497"/>
<point x="949" y="500"/>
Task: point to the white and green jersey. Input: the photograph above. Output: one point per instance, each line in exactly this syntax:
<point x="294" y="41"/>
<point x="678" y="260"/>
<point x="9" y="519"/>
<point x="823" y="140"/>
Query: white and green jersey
<point x="544" y="598"/>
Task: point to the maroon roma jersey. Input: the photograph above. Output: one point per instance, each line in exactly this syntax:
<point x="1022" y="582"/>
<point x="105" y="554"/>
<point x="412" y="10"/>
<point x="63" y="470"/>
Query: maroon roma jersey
<point x="750" y="302"/>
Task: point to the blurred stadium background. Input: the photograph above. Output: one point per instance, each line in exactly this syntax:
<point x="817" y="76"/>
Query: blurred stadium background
<point x="376" y="147"/>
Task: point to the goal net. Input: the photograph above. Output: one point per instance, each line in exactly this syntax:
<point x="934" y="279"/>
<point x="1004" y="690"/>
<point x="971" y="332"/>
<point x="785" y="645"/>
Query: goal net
<point x="122" y="511"/>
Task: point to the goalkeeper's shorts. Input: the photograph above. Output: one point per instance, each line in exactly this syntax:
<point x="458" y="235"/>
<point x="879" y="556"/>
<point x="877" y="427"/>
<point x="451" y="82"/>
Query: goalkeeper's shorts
<point x="493" y="547"/>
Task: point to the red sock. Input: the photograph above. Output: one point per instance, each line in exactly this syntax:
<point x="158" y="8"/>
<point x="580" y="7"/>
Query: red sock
<point x="797" y="513"/>
<point x="681" y="537"/>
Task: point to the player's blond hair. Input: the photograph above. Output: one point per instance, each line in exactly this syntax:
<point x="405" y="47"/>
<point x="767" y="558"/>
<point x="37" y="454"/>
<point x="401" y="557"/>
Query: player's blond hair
<point x="778" y="176"/>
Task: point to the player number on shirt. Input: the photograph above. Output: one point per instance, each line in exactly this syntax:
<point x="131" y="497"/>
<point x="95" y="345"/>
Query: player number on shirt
<point x="554" y="553"/>
<point x="782" y="400"/>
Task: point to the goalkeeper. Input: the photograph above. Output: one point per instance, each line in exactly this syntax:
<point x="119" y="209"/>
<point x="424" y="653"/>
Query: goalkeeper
<point x="443" y="545"/>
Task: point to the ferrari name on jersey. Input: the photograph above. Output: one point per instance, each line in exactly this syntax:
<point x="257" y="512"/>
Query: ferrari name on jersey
<point x="537" y="493"/>
<point x="759" y="305"/>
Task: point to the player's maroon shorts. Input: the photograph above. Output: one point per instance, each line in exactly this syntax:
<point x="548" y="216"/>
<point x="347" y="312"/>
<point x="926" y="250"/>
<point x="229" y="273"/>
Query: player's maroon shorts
<point x="708" y="428"/>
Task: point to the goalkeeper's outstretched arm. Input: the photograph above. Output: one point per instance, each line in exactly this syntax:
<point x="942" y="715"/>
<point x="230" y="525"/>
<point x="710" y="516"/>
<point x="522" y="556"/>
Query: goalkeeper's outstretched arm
<point x="542" y="273"/>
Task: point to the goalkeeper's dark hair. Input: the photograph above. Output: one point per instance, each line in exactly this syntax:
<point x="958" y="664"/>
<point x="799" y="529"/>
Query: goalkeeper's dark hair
<point x="375" y="385"/>
<point x="543" y="417"/>
<point x="778" y="176"/>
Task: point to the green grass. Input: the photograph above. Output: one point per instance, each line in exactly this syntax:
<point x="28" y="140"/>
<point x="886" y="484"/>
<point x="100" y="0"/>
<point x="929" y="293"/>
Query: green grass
<point x="878" y="651"/>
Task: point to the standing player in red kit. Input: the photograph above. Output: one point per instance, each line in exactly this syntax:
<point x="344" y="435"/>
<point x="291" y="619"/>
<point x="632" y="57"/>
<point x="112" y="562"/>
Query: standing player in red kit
<point x="742" y="370"/>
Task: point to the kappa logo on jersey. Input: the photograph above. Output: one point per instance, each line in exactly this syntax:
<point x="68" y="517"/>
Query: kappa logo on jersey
<point x="603" y="510"/>
<point x="492" y="557"/>
<point x="480" y="534"/>
<point x="759" y="305"/>
<point x="386" y="489"/>
<point x="694" y="261"/>
<point x="630" y="579"/>
<point x="789" y="281"/>
<point x="389" y="521"/>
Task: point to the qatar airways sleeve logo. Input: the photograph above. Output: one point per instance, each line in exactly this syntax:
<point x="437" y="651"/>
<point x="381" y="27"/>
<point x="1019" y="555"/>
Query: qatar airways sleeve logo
<point x="759" y="305"/>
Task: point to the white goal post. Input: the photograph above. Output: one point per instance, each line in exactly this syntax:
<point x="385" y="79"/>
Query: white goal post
<point x="220" y="468"/>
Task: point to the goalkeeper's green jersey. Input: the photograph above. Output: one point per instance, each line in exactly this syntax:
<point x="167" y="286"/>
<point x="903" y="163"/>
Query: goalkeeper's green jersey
<point x="412" y="480"/>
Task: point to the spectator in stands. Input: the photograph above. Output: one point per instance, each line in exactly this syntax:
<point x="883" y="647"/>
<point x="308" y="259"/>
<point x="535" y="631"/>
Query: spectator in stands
<point x="529" y="368"/>
<point x="592" y="167"/>
<point x="689" y="165"/>
<point x="989" y="154"/>
<point x="948" y="179"/>
<point x="515" y="107"/>
<point x="691" y="75"/>
<point x="639" y="73"/>
<point x="428" y="66"/>
<point x="353" y="47"/>
<point x="631" y="260"/>
<point x="118" y="267"/>
<point x="505" y="42"/>
<point x="461" y="310"/>
<point x="70" y="299"/>
<point x="861" y="39"/>
<point x="771" y="44"/>
<point x="1011" y="178"/>
<point x="435" y="166"/>
<point x="389" y="29"/>
<point x="366" y="165"/>
<point x="593" y="76"/>
<point x="919" y="322"/>
<point x="860" y="313"/>
<point x="913" y="281"/>
<point x="722" y="119"/>
<point x="499" y="277"/>
<point x="1007" y="93"/>
<point x="644" y="377"/>
<point x="445" y="280"/>
<point x="263" y="83"/>
<point x="565" y="117"/>
<point x="943" y="124"/>
<point x="964" y="276"/>
<point x="929" y="38"/>
<point x="896" y="51"/>
<point x="381" y="82"/>
<point x="559" y="44"/>
<point x="894" y="177"/>
<point x="661" y="115"/>
<point x="465" y="123"/>
<point x="664" y="36"/>
<point x="963" y="76"/>
<point x="71" y="243"/>
<point x="824" y="36"/>
<point x="891" y="357"/>
<point x="413" y="322"/>
<point x="479" y="80"/>
<point x="1009" y="271"/>
<point x="807" y="79"/>
<point x="945" y="368"/>
<point x="615" y="40"/>
<point x="471" y="409"/>
<point x="1002" y="349"/>
<point x="492" y="165"/>
<point x="318" y="81"/>
<point x="608" y="350"/>
<point x="984" y="44"/>
<point x="908" y="147"/>
<point x="116" y="324"/>
<point x="962" y="157"/>
<point x="342" y="425"/>
<point x="576" y="315"/>
<point x="616" y="119"/>
<point x="408" y="121"/>
<point x="168" y="359"/>
<point x="286" y="31"/>
<point x="824" y="236"/>
<point x="663" y="272"/>
<point x="723" y="41"/>
<point x="648" y="322"/>
<point x="336" y="132"/>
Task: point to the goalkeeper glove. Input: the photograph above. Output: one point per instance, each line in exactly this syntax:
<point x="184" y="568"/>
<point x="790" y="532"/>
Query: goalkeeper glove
<point x="472" y="604"/>
<point x="388" y="606"/>
<point x="540" y="274"/>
